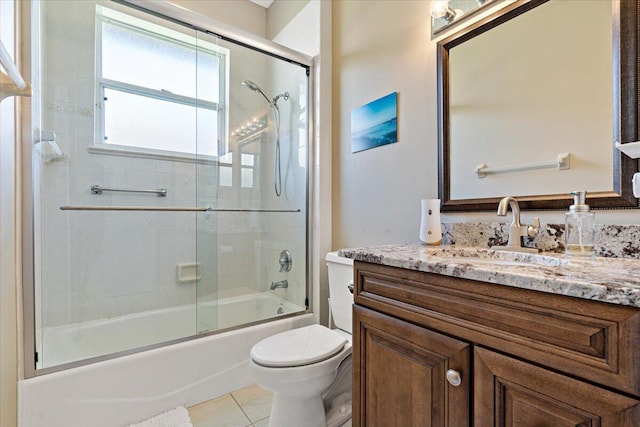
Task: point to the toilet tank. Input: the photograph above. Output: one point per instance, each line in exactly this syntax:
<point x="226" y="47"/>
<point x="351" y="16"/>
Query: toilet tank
<point x="341" y="299"/>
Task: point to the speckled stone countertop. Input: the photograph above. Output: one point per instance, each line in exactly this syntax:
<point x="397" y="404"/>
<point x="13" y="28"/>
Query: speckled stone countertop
<point x="611" y="280"/>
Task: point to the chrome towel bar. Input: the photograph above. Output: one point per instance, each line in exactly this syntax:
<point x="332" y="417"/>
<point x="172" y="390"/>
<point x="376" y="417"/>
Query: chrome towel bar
<point x="98" y="189"/>
<point x="169" y="209"/>
<point x="560" y="163"/>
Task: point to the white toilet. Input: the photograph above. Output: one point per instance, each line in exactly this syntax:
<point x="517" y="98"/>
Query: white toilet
<point x="300" y="365"/>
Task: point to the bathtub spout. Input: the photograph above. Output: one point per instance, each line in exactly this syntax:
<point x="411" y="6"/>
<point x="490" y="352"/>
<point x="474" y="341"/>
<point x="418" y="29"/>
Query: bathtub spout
<point x="280" y="284"/>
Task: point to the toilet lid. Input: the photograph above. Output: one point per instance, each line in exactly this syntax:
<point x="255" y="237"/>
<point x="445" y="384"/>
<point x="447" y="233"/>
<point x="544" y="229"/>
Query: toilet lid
<point x="298" y="347"/>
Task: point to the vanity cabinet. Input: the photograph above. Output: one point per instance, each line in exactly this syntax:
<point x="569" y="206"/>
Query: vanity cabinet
<point x="400" y="371"/>
<point x="524" y="358"/>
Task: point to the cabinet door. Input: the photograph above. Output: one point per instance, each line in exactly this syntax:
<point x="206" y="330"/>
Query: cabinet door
<point x="400" y="371"/>
<point x="509" y="392"/>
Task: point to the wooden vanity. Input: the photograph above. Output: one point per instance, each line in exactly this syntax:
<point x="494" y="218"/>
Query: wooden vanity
<point x="435" y="350"/>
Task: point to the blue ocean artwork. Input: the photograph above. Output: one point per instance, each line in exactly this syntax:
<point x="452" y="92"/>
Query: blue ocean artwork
<point x="375" y="123"/>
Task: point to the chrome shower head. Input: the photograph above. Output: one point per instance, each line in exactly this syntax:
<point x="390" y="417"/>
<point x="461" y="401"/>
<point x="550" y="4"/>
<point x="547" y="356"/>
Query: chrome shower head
<point x="272" y="102"/>
<point x="254" y="87"/>
<point x="251" y="85"/>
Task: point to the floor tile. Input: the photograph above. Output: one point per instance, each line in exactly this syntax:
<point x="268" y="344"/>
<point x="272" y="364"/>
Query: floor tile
<point x="254" y="401"/>
<point x="262" y="423"/>
<point x="220" y="412"/>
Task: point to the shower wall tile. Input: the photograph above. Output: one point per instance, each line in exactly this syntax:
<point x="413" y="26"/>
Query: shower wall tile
<point x="55" y="219"/>
<point x="57" y="178"/>
<point x="80" y="176"/>
<point x="130" y="276"/>
<point x="57" y="312"/>
<point x="102" y="264"/>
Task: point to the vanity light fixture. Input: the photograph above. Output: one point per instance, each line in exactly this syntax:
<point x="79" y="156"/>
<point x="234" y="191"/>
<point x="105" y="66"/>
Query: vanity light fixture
<point x="446" y="13"/>
<point x="441" y="9"/>
<point x="250" y="128"/>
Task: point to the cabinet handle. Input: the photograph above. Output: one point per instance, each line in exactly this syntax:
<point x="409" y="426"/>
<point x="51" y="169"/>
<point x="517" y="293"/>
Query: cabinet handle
<point x="350" y="286"/>
<point x="454" y="377"/>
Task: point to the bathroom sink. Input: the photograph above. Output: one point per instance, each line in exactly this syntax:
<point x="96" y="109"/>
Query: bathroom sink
<point x="489" y="256"/>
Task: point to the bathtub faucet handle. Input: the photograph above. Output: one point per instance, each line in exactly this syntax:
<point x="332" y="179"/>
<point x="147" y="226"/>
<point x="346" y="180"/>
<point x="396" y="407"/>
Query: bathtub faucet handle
<point x="285" y="261"/>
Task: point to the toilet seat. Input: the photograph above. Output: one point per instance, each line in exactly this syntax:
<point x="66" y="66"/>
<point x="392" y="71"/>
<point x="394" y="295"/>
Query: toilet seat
<point x="298" y="347"/>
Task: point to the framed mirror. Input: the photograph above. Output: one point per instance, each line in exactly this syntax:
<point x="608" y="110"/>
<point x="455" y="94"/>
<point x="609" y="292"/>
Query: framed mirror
<point x="531" y="101"/>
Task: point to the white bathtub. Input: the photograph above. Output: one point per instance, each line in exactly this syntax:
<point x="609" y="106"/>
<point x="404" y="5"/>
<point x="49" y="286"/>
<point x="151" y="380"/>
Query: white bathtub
<point x="128" y="389"/>
<point x="68" y="343"/>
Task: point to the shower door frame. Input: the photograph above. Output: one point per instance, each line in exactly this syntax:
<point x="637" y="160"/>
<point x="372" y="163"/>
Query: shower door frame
<point x="210" y="26"/>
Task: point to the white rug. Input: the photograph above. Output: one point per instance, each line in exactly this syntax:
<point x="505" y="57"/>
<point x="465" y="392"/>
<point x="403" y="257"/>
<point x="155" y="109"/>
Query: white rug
<point x="178" y="417"/>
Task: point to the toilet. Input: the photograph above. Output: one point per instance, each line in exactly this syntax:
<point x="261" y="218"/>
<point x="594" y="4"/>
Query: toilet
<point x="309" y="369"/>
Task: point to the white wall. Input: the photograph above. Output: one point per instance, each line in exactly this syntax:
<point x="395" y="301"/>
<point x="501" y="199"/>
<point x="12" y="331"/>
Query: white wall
<point x="280" y="14"/>
<point x="241" y="14"/>
<point x="302" y="33"/>
<point x="8" y="247"/>
<point x="380" y="47"/>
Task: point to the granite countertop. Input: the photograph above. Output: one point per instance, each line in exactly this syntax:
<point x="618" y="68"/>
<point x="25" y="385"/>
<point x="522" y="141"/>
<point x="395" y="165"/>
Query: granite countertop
<point x="611" y="280"/>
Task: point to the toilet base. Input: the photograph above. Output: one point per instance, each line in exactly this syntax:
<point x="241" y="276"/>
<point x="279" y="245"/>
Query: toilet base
<point x="296" y="411"/>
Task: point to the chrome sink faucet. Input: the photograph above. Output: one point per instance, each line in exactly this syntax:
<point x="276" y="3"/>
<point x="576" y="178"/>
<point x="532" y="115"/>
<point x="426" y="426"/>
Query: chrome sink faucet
<point x="516" y="230"/>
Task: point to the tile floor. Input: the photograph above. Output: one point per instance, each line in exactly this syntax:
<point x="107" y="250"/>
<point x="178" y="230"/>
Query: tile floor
<point x="247" y="407"/>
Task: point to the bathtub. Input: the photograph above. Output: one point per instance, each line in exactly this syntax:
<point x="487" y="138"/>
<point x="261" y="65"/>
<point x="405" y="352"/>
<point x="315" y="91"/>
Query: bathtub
<point x="77" y="341"/>
<point x="131" y="388"/>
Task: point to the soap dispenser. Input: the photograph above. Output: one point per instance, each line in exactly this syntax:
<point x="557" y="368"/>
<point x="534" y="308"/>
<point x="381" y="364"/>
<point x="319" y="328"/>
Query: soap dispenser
<point x="579" y="228"/>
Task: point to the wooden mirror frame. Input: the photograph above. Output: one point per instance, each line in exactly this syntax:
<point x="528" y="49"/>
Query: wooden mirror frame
<point x="626" y="74"/>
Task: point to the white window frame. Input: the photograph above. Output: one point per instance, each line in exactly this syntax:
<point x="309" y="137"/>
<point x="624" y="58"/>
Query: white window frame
<point x="113" y="17"/>
<point x="252" y="168"/>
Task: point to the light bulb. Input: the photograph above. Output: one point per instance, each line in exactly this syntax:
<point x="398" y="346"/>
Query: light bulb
<point x="439" y="8"/>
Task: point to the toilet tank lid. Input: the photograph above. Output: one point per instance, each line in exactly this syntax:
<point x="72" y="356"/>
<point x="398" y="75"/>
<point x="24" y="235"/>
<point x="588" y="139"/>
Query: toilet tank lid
<point x="333" y="257"/>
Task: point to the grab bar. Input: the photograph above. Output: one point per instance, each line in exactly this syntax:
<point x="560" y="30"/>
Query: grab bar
<point x="169" y="209"/>
<point x="11" y="83"/>
<point x="562" y="162"/>
<point x="98" y="189"/>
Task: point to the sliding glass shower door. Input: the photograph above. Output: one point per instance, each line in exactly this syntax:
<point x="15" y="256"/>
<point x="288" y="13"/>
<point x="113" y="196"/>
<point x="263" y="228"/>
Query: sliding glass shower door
<point x="170" y="195"/>
<point x="261" y="200"/>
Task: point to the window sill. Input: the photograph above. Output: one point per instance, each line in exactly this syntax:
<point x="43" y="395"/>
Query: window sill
<point x="119" y="150"/>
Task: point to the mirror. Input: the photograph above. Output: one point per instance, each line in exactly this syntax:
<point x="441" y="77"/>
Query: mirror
<point x="524" y="104"/>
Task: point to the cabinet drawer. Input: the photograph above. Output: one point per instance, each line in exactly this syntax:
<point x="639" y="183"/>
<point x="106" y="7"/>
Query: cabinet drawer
<point x="592" y="340"/>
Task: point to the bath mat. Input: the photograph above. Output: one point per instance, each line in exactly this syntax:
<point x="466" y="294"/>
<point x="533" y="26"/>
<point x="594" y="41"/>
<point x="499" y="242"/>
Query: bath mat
<point x="178" y="417"/>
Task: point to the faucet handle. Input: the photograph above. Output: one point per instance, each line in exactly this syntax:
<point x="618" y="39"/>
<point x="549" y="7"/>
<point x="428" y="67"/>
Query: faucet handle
<point x="532" y="230"/>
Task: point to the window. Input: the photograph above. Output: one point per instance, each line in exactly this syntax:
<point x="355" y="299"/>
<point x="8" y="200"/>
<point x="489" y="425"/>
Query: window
<point x="161" y="91"/>
<point x="225" y="166"/>
<point x="247" y="167"/>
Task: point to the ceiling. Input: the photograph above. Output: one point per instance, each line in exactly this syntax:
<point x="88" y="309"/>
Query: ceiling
<point x="263" y="3"/>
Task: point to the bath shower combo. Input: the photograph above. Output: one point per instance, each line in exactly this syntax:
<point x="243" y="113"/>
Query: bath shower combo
<point x="121" y="282"/>
<point x="273" y="103"/>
